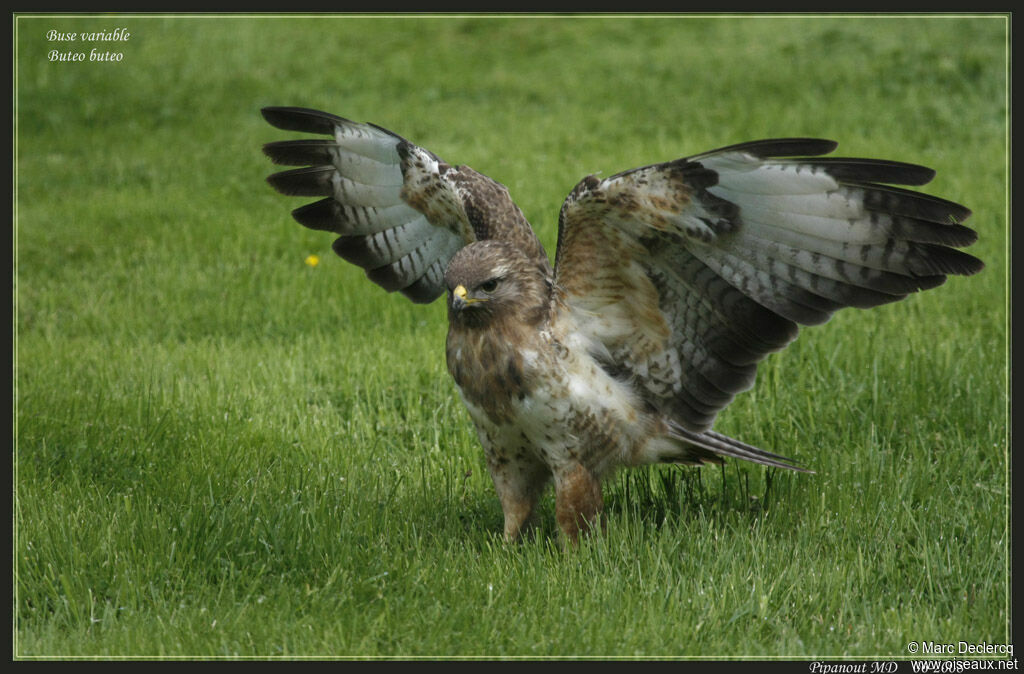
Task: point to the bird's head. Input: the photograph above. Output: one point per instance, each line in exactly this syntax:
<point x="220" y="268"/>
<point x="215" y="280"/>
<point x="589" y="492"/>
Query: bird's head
<point x="492" y="280"/>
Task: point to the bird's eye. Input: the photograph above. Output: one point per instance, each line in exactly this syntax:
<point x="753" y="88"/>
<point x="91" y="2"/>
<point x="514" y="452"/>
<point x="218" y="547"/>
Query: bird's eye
<point x="489" y="286"/>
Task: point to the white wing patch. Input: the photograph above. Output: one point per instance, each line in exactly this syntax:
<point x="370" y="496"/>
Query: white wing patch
<point x="397" y="216"/>
<point x="693" y="270"/>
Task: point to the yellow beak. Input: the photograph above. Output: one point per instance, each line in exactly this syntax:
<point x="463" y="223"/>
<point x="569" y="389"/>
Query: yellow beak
<point x="463" y="296"/>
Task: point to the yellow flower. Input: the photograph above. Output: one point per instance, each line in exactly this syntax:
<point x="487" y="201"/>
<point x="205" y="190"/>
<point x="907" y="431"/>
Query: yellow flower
<point x="313" y="260"/>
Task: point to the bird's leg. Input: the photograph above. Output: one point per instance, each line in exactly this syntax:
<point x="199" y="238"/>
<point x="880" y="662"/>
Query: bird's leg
<point x="578" y="500"/>
<point x="519" y="485"/>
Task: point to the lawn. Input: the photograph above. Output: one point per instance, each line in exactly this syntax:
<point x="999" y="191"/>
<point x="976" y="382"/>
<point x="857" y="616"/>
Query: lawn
<point x="222" y="451"/>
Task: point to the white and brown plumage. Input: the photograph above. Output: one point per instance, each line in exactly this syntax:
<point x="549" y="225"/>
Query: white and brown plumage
<point x="671" y="282"/>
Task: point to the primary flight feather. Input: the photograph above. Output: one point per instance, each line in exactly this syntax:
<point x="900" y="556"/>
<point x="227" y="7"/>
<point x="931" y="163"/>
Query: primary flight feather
<point x="670" y="283"/>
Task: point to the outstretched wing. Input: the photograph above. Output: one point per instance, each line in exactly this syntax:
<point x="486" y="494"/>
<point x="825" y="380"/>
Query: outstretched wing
<point x="401" y="211"/>
<point x="689" y="272"/>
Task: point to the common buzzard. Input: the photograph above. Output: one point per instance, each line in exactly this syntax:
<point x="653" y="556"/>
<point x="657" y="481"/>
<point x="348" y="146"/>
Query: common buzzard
<point x="670" y="283"/>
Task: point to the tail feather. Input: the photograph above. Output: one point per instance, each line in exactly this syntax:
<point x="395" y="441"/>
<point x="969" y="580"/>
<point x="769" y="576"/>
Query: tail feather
<point x="723" y="445"/>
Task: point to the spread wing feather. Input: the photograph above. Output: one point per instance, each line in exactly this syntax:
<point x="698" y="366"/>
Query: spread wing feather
<point x="401" y="212"/>
<point x="706" y="264"/>
<point x="684" y="274"/>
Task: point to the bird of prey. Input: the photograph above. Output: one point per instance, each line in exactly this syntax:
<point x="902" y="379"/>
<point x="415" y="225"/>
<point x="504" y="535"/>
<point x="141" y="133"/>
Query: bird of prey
<point x="670" y="283"/>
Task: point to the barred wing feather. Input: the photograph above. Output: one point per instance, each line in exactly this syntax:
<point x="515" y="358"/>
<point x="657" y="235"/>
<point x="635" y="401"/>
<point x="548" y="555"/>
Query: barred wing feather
<point x="706" y="264"/>
<point x="394" y="204"/>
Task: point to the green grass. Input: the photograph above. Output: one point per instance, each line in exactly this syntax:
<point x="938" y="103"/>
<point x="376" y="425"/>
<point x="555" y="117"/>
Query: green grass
<point x="223" y="452"/>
